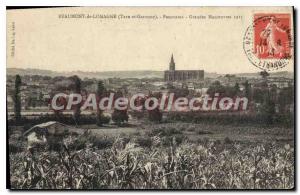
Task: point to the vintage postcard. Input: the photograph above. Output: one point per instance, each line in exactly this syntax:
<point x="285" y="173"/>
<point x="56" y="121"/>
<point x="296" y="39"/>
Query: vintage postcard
<point x="153" y="98"/>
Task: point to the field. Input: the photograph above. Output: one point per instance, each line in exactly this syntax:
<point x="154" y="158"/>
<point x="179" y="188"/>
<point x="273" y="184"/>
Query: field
<point x="194" y="132"/>
<point x="161" y="156"/>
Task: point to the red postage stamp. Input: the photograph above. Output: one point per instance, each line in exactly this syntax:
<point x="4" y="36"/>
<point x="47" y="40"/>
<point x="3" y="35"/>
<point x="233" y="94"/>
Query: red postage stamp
<point x="271" y="36"/>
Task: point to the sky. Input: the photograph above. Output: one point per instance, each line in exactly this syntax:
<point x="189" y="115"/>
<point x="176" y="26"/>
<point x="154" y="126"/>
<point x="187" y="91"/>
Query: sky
<point x="43" y="40"/>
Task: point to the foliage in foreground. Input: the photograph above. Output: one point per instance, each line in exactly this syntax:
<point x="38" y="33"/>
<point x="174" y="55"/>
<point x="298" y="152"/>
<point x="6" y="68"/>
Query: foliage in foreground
<point x="126" y="165"/>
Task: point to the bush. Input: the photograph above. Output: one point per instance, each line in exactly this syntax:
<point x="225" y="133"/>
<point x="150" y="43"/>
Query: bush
<point x="119" y="116"/>
<point x="145" y="142"/>
<point x="191" y="128"/>
<point x="102" y="143"/>
<point x="172" y="140"/>
<point x="80" y="143"/>
<point x="15" y="147"/>
<point x="166" y="131"/>
<point x="227" y="140"/>
<point x="204" y="132"/>
<point x="155" y="115"/>
<point x="102" y="120"/>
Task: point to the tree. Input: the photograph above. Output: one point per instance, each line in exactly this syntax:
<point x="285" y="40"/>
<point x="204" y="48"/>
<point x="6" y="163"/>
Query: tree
<point x="273" y="93"/>
<point x="229" y="77"/>
<point x="247" y="90"/>
<point x="155" y="115"/>
<point x="236" y="89"/>
<point x="258" y="95"/>
<point x="31" y="102"/>
<point x="264" y="74"/>
<point x="100" y="94"/>
<point x="268" y="109"/>
<point x="285" y="98"/>
<point x="170" y="86"/>
<point x="119" y="116"/>
<point x="179" y="92"/>
<point x="215" y="87"/>
<point x="17" y="99"/>
<point x="77" y="89"/>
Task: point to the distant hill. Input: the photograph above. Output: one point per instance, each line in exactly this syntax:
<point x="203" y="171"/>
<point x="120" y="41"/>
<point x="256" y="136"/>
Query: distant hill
<point x="82" y="74"/>
<point x="20" y="71"/>
<point x="127" y="74"/>
<point x="285" y="74"/>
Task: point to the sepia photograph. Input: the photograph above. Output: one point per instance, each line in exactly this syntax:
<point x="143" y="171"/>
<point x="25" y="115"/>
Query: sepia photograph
<point x="150" y="98"/>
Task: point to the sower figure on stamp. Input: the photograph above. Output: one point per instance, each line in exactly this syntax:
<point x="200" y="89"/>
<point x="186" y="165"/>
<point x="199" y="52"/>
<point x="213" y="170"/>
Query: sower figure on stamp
<point x="268" y="34"/>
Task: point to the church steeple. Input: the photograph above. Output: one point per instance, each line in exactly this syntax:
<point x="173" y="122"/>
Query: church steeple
<point x="172" y="63"/>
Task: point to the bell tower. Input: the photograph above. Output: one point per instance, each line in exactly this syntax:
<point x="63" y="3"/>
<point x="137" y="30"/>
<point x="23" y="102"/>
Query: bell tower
<point x="172" y="64"/>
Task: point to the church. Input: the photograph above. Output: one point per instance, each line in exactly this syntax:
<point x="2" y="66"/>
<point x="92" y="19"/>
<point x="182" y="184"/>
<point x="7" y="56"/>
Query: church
<point x="182" y="75"/>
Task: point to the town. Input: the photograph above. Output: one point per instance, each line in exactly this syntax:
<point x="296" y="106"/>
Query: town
<point x="37" y="91"/>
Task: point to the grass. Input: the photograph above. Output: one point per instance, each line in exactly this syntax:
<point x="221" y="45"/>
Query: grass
<point x="243" y="133"/>
<point x="207" y="165"/>
<point x="161" y="156"/>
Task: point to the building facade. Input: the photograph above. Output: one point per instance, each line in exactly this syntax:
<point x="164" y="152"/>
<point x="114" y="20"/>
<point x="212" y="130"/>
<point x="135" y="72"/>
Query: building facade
<point x="182" y="75"/>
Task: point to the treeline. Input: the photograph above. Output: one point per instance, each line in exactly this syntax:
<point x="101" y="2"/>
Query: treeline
<point x="66" y="119"/>
<point x="286" y="119"/>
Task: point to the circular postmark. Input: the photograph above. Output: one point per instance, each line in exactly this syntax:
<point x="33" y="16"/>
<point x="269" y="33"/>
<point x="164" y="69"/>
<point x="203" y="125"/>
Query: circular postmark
<point x="268" y="43"/>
